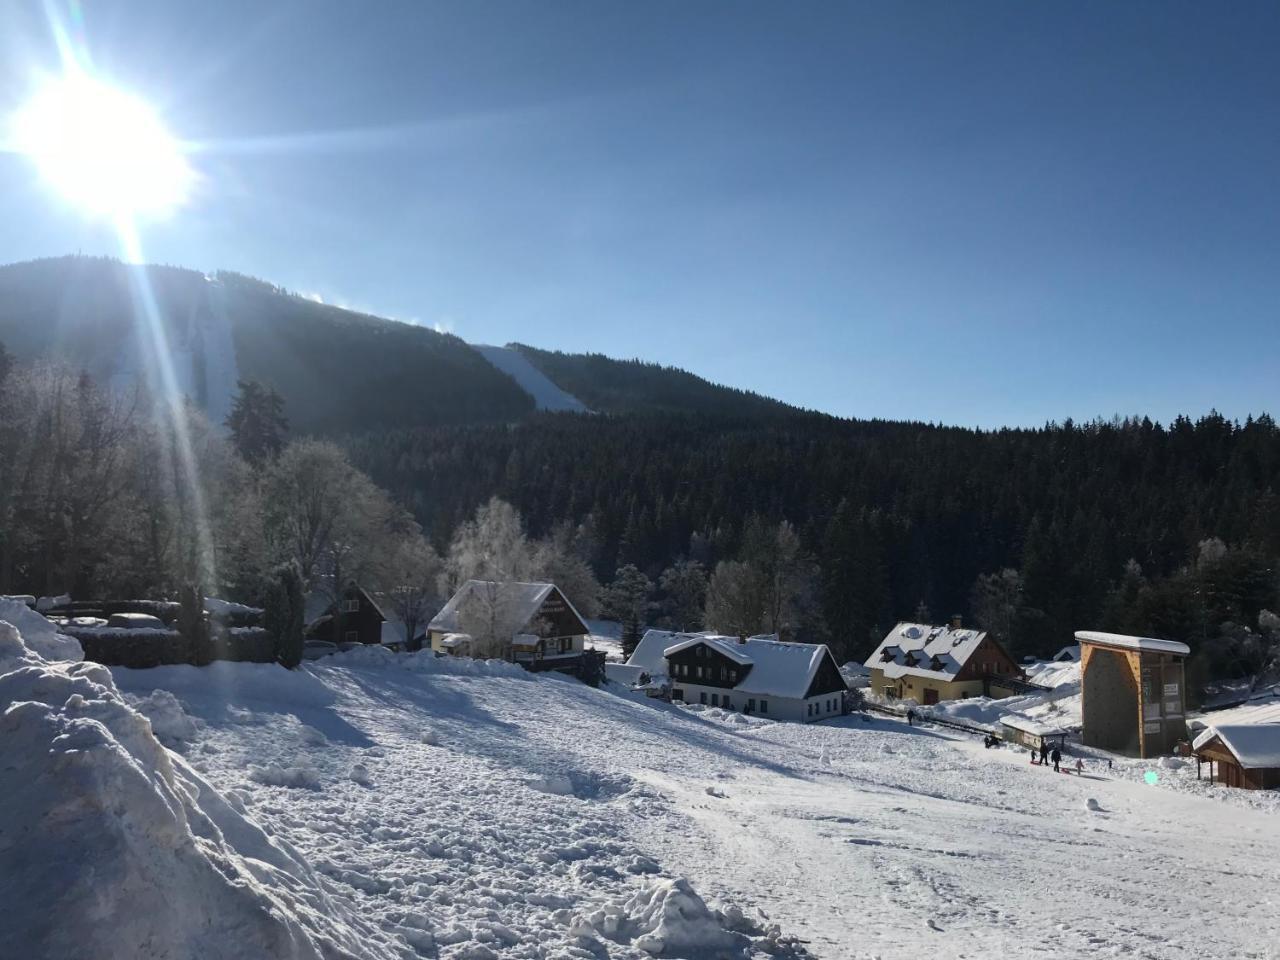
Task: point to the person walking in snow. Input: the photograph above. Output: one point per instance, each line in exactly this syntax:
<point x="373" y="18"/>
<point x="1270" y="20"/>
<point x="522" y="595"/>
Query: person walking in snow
<point x="1079" y="767"/>
<point x="1057" y="758"/>
<point x="911" y="718"/>
<point x="1044" y="754"/>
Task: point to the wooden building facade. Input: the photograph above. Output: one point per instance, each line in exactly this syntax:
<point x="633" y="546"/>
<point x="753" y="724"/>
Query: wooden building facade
<point x="1133" y="693"/>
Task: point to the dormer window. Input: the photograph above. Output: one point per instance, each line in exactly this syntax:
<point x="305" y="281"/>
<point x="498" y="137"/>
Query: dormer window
<point x="886" y="655"/>
<point x="935" y="663"/>
<point x="911" y="659"/>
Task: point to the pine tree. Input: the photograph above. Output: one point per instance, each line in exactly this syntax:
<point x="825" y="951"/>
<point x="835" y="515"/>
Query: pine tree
<point x="257" y="422"/>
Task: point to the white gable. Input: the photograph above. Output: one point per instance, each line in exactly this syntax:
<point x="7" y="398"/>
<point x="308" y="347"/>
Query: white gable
<point x="923" y="650"/>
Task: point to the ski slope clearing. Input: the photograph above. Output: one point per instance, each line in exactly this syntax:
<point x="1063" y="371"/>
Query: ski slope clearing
<point x="546" y="395"/>
<point x="470" y="810"/>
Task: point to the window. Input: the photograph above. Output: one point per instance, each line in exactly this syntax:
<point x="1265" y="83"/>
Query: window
<point x="764" y="706"/>
<point x="566" y="644"/>
<point x="677" y="694"/>
<point x="751" y="705"/>
<point x="699" y="651"/>
<point x="810" y="710"/>
<point x="703" y="696"/>
<point x="352" y="636"/>
<point x="715" y="699"/>
<point x="353" y="605"/>
<point x="728" y="705"/>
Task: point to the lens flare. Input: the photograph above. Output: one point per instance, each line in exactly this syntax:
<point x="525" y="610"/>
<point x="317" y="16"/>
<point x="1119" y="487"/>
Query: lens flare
<point x="102" y="149"/>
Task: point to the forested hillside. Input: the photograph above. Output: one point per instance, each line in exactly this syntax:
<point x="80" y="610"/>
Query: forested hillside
<point x="896" y="516"/>
<point x="337" y="370"/>
<point x="607" y="385"/>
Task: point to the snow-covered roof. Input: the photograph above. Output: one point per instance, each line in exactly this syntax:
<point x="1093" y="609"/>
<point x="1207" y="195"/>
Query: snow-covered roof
<point x="1265" y="709"/>
<point x="650" y="652"/>
<point x="1144" y="644"/>
<point x="452" y="640"/>
<point x="938" y="652"/>
<point x="521" y="601"/>
<point x="1255" y="745"/>
<point x="777" y="669"/>
<point x="1070" y="652"/>
<point x="1027" y="725"/>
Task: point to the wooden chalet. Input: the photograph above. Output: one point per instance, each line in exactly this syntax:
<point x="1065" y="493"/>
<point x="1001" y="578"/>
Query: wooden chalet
<point x="928" y="664"/>
<point x="538" y="626"/>
<point x="756" y="675"/>
<point x="362" y="619"/>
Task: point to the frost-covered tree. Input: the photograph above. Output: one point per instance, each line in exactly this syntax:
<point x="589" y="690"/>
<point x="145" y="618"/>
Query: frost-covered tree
<point x="629" y="599"/>
<point x="735" y="599"/>
<point x="331" y="519"/>
<point x="413" y="583"/>
<point x="490" y="546"/>
<point x="558" y="560"/>
<point x="684" y="584"/>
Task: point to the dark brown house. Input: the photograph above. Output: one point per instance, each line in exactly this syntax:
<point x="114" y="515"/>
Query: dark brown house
<point x="362" y="619"/>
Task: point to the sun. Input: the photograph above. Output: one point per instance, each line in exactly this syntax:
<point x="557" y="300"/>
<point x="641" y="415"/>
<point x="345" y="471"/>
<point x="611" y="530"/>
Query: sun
<point x="102" y="149"/>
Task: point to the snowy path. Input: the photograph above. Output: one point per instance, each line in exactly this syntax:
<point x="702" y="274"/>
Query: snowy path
<point x="498" y="811"/>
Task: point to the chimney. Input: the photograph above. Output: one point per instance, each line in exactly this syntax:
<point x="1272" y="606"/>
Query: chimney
<point x="742" y="638"/>
<point x="955" y="621"/>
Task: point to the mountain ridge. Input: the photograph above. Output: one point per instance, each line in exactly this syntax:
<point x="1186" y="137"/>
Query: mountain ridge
<point x="340" y="371"/>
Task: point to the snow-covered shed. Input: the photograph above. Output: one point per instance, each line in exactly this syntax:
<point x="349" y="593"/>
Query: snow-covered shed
<point x="535" y="621"/>
<point x="1031" y="733"/>
<point x="928" y="664"/>
<point x="1246" y="755"/>
<point x="762" y="675"/>
<point x="1132" y="693"/>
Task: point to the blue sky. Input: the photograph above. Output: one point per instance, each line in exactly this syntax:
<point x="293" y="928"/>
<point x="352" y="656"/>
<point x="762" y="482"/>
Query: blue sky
<point x="974" y="213"/>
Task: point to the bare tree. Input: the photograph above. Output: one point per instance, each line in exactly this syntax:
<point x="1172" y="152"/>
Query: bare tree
<point x="685" y="586"/>
<point x="412" y="583"/>
<point x="735" y="599"/>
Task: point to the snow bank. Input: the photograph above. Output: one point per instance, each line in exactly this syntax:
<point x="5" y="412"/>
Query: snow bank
<point x="666" y="917"/>
<point x="169" y="722"/>
<point x="39" y="635"/>
<point x="111" y="846"/>
<point x="423" y="661"/>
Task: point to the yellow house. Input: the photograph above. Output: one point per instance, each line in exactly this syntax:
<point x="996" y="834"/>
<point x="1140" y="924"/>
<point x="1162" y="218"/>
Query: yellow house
<point x="928" y="664"/>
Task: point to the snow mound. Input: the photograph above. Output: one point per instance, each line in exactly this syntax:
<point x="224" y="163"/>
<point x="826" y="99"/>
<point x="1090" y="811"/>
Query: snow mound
<point x="39" y="635"/>
<point x="169" y="721"/>
<point x="429" y="737"/>
<point x="556" y="786"/>
<point x="360" y="774"/>
<point x="123" y="849"/>
<point x="1092" y="805"/>
<point x="667" y="918"/>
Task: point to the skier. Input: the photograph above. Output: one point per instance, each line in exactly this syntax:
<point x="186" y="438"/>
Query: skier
<point x="1057" y="758"/>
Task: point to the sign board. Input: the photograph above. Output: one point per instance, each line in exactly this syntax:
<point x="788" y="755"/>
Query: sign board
<point x="1170" y="689"/>
<point x="1151" y="727"/>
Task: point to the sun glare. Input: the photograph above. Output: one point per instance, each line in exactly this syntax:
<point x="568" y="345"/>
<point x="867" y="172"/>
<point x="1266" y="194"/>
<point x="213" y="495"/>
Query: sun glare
<point x="104" y="150"/>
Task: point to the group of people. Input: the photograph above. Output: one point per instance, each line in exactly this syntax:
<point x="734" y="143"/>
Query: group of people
<point x="1046" y="754"/>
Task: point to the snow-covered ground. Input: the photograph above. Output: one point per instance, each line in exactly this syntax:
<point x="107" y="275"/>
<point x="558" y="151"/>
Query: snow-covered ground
<point x="456" y="809"/>
<point x="504" y="811"/>
<point x="546" y="395"/>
